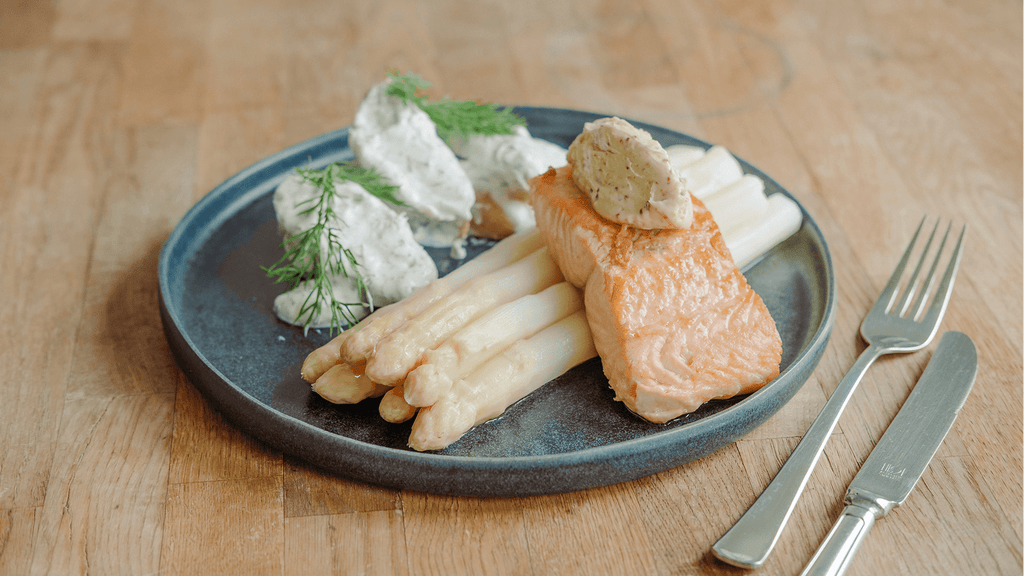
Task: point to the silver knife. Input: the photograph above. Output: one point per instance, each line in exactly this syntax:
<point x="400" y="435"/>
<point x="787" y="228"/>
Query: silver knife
<point x="902" y="455"/>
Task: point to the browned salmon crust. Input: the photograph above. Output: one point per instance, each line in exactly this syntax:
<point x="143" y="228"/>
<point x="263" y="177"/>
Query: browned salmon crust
<point x="673" y="319"/>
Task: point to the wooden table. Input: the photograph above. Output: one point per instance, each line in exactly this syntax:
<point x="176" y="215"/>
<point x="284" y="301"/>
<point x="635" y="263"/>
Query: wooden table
<point x="117" y="115"/>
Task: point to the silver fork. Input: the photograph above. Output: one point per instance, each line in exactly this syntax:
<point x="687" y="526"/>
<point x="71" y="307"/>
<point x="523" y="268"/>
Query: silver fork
<point x="891" y="326"/>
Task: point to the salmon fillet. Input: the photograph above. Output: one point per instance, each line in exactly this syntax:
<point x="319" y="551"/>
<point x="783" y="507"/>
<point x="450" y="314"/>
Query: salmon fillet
<point x="674" y="321"/>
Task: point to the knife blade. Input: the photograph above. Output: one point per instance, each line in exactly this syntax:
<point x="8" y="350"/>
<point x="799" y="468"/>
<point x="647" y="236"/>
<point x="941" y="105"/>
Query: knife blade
<point x="902" y="455"/>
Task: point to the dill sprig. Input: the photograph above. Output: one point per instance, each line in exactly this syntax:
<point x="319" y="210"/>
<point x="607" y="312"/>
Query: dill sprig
<point x="304" y="258"/>
<point x="454" y="117"/>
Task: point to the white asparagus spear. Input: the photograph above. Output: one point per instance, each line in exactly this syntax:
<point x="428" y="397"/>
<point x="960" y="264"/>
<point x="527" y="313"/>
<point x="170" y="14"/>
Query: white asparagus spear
<point x="393" y="407"/>
<point x="362" y="338"/>
<point x="320" y="360"/>
<point x="738" y="204"/>
<point x="782" y="219"/>
<point x="345" y="384"/>
<point x="402" y="351"/>
<point x="503" y="380"/>
<point x="681" y="155"/>
<point x="711" y="171"/>
<point x="465" y="350"/>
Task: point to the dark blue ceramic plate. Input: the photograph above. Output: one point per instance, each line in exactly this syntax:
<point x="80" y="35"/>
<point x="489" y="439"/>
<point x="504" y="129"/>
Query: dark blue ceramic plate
<point x="215" y="303"/>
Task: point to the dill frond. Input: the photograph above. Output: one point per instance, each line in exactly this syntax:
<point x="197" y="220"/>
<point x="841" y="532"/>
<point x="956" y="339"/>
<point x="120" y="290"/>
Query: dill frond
<point x="303" y="258"/>
<point x="454" y="117"/>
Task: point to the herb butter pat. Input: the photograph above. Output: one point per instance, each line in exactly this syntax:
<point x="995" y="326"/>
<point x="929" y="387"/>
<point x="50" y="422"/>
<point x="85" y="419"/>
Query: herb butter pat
<point x="629" y="177"/>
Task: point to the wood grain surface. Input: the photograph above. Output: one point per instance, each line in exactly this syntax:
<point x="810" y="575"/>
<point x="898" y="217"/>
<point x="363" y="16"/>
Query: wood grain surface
<point x="117" y="115"/>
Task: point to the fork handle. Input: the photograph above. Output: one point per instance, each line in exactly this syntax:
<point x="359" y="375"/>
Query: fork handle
<point x="750" y="540"/>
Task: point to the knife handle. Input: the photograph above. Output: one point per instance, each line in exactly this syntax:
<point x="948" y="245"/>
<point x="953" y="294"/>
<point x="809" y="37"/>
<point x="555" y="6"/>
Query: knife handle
<point x="750" y="540"/>
<point x="835" y="553"/>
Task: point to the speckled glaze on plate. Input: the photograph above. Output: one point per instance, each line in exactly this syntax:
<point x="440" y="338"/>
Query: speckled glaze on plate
<point x="216" y="308"/>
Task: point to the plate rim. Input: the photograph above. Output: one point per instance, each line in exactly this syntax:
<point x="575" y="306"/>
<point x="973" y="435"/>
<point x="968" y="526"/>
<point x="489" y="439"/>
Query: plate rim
<point x="428" y="462"/>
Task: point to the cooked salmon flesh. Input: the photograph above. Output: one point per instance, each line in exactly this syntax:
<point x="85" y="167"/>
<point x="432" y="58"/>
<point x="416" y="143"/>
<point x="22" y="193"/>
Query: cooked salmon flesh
<point x="674" y="321"/>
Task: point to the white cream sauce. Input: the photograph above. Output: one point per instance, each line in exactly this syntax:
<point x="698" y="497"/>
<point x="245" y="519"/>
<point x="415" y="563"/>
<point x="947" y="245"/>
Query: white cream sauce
<point x="390" y="260"/>
<point x="502" y="165"/>
<point x="400" y="141"/>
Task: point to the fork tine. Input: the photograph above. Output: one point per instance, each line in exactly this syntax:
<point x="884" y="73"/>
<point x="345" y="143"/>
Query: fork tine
<point x="888" y="295"/>
<point x="901" y="308"/>
<point x="942" y="293"/>
<point x="929" y="281"/>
